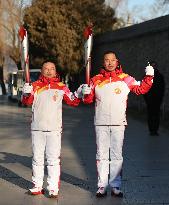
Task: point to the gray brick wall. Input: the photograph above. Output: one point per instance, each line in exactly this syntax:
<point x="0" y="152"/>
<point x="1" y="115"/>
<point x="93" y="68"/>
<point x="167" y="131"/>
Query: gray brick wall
<point x="135" y="46"/>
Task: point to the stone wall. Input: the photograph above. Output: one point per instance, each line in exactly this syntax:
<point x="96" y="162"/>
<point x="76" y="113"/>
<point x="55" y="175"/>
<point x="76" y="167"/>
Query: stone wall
<point x="135" y="46"/>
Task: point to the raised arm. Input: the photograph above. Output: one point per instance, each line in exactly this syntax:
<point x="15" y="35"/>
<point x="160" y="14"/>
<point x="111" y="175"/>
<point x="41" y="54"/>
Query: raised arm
<point x="143" y="86"/>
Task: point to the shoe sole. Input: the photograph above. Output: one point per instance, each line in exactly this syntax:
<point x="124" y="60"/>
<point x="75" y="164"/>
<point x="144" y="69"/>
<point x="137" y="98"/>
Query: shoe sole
<point x="53" y="196"/>
<point x="36" y="193"/>
<point x="120" y="195"/>
<point x="99" y="195"/>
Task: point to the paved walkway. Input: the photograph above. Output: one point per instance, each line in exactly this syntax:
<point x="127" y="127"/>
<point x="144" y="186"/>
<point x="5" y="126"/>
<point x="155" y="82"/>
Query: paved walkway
<point x="145" y="170"/>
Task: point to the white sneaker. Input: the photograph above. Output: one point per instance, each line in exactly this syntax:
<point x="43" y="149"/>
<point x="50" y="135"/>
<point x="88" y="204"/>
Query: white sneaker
<point x="101" y="192"/>
<point x="116" y="192"/>
<point x="36" y="191"/>
<point x="53" y="194"/>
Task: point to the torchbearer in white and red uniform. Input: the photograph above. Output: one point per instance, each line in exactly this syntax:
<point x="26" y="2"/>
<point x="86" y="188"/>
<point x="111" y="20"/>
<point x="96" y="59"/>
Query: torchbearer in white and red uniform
<point x="109" y="89"/>
<point x="46" y="95"/>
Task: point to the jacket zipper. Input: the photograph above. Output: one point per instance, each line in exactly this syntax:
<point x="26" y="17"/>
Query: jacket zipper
<point x="48" y="104"/>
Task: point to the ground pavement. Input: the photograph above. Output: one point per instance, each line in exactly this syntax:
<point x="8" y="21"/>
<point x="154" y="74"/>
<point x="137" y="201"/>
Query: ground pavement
<point x="145" y="168"/>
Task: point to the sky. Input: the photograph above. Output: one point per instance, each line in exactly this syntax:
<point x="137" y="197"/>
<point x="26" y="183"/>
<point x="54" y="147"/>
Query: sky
<point x="144" y="4"/>
<point x="140" y="10"/>
<point x="132" y="3"/>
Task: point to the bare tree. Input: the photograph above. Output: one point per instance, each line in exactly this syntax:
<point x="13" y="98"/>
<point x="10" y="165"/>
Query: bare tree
<point x="121" y="12"/>
<point x="11" y="12"/>
<point x="160" y="8"/>
<point x="11" y="21"/>
<point x="113" y="3"/>
<point x="124" y="15"/>
<point x="1" y="54"/>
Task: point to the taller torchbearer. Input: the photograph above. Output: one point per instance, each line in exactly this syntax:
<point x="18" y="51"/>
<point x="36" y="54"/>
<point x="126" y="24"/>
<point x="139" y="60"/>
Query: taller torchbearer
<point x="109" y="89"/>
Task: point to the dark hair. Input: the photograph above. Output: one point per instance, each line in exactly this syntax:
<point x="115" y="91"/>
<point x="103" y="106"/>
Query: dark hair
<point x="47" y="61"/>
<point x="109" y="52"/>
<point x="153" y="63"/>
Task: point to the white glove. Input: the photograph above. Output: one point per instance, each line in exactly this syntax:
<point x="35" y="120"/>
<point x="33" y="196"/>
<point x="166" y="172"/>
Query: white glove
<point x="86" y="89"/>
<point x="78" y="93"/>
<point x="149" y="70"/>
<point x="27" y="88"/>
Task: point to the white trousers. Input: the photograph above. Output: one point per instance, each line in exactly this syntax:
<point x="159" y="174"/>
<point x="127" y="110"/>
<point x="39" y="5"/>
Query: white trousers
<point x="109" y="140"/>
<point x="46" y="144"/>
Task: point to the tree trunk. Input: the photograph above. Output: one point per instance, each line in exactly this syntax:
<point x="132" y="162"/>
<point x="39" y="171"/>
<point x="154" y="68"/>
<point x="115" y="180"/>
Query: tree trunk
<point x="2" y="81"/>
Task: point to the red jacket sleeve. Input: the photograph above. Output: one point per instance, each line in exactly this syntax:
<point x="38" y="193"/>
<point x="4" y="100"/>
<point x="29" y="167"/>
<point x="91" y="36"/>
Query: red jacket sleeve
<point x="27" y="100"/>
<point x="144" y="86"/>
<point x="70" y="98"/>
<point x="87" y="99"/>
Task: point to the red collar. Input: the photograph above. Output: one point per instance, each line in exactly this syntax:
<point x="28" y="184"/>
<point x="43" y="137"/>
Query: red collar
<point x="44" y="79"/>
<point x="114" y="73"/>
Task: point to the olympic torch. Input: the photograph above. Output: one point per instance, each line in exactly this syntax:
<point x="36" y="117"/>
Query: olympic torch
<point x="88" y="34"/>
<point x="24" y="52"/>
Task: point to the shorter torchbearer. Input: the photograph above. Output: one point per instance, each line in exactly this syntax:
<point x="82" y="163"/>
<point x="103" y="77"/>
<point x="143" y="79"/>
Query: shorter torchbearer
<point x="46" y="95"/>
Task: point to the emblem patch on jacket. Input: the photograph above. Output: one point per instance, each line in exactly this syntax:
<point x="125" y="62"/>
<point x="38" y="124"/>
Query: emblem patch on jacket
<point x="117" y="90"/>
<point x="55" y="96"/>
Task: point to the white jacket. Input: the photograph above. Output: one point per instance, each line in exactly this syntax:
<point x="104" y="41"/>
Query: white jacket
<point x="110" y="91"/>
<point x="46" y="98"/>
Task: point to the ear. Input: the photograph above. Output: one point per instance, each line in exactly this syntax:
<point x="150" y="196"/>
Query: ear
<point x="118" y="65"/>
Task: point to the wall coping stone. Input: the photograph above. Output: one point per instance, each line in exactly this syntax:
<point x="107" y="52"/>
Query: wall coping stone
<point x="148" y="27"/>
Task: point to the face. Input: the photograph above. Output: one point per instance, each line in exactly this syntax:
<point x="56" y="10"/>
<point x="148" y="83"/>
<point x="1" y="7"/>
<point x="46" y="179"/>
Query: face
<point x="49" y="70"/>
<point x="110" y="62"/>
